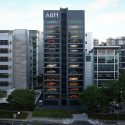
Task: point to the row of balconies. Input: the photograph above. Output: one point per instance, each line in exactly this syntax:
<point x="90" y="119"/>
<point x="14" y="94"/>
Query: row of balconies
<point x="56" y="90"/>
<point x="56" y="59"/>
<point x="69" y="45"/>
<point x="72" y="84"/>
<point x="57" y="35"/>
<point x="51" y="84"/>
<point x="55" y="71"/>
<point x="52" y="59"/>
<point x="53" y="50"/>
<point x="73" y="56"/>
<point x="54" y="65"/>
<point x="51" y="41"/>
<point x="57" y="41"/>
<point x="56" y="78"/>
<point x="56" y="96"/>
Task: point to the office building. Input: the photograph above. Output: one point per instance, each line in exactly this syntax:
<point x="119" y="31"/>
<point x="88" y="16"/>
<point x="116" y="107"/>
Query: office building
<point x="64" y="51"/>
<point x="106" y="64"/>
<point x="18" y="59"/>
<point x="6" y="57"/>
<point x="120" y="41"/>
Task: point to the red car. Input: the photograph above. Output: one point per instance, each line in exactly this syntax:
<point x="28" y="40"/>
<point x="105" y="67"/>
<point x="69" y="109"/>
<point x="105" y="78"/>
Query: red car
<point x="74" y="89"/>
<point x="51" y="84"/>
<point x="73" y="96"/>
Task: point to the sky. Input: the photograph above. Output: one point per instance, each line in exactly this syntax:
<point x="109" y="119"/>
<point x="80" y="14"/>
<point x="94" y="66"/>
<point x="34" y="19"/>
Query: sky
<point x="104" y="18"/>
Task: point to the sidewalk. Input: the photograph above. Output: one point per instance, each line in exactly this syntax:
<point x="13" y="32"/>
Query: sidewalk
<point x="76" y="118"/>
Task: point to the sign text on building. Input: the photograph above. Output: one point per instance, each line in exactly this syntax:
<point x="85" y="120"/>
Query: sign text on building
<point x="52" y="15"/>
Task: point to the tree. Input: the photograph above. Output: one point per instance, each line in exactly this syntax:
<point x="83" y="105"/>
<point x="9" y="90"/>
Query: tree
<point x="1" y="94"/>
<point x="23" y="99"/>
<point x="93" y="100"/>
<point x="116" y="89"/>
<point x="39" y="79"/>
<point x="111" y="90"/>
<point x="121" y="90"/>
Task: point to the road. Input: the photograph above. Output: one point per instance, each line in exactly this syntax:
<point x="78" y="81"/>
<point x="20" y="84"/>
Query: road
<point x="30" y="123"/>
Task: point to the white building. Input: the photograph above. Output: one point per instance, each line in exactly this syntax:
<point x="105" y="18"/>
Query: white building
<point x="6" y="57"/>
<point x="106" y="64"/>
<point x="88" y="42"/>
<point x="95" y="42"/>
<point x="110" y="42"/>
<point x="18" y="58"/>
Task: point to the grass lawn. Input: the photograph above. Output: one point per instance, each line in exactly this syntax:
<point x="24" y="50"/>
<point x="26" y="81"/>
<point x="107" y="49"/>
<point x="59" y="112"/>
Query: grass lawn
<point x="5" y="106"/>
<point x="7" y="114"/>
<point x="52" y="113"/>
<point x="107" y="116"/>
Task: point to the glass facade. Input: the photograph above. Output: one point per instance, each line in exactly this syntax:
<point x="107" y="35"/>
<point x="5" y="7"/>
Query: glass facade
<point x="33" y="43"/>
<point x="52" y="64"/>
<point x="106" y="63"/>
<point x="63" y="57"/>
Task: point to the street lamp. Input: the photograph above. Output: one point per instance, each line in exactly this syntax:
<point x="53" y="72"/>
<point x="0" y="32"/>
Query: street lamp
<point x="14" y="117"/>
<point x="117" y="111"/>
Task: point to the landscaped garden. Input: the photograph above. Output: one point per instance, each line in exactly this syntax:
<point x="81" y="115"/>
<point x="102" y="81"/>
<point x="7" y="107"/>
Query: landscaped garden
<point x="7" y="114"/>
<point x="52" y="113"/>
<point x="107" y="116"/>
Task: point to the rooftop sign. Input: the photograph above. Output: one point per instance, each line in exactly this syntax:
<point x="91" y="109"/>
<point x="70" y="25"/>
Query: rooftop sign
<point x="51" y="14"/>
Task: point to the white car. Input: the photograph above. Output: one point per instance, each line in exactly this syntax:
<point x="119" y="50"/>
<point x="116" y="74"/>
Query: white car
<point x="51" y="65"/>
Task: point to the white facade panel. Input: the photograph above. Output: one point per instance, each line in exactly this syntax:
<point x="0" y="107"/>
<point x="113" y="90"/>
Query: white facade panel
<point x="88" y="42"/>
<point x="6" y="83"/>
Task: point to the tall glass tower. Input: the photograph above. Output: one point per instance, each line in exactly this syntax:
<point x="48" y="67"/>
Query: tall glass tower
<point x="64" y="48"/>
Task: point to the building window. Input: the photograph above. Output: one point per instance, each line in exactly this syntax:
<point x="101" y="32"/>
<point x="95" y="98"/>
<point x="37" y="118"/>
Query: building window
<point x="4" y="59"/>
<point x="3" y="67"/>
<point x="4" y="75"/>
<point x="3" y="50"/>
<point x="88" y="58"/>
<point x="4" y="83"/>
<point x="105" y="67"/>
<point x="95" y="52"/>
<point x="110" y="59"/>
<point x="3" y="42"/>
<point x="86" y="42"/>
<point x="102" y="51"/>
<point x="75" y="21"/>
<point x="101" y="59"/>
<point x="110" y="51"/>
